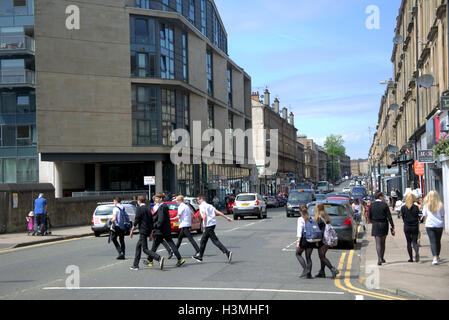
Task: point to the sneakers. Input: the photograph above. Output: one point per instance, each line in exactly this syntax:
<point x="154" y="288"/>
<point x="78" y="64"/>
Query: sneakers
<point x="170" y="255"/>
<point x="180" y="262"/>
<point x="229" y="255"/>
<point x="197" y="258"/>
<point x="335" y="272"/>
<point x="134" y="268"/>
<point x="161" y="263"/>
<point x="435" y="262"/>
<point x="417" y="258"/>
<point x="121" y="257"/>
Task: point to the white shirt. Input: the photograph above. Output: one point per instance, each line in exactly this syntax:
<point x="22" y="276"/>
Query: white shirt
<point x="300" y="228"/>
<point x="185" y="216"/>
<point x="210" y="214"/>
<point x="156" y="207"/>
<point x="434" y="220"/>
<point x="116" y="212"/>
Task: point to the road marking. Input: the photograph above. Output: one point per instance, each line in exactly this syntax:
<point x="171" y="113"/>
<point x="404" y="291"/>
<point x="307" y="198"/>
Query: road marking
<point x="247" y="225"/>
<point x="44" y="244"/>
<point x="200" y="289"/>
<point x="287" y="247"/>
<point x="359" y="297"/>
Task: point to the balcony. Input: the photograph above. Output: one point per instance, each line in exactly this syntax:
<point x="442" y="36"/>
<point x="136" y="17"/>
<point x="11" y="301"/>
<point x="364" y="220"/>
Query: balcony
<point x="16" y="44"/>
<point x="17" y="78"/>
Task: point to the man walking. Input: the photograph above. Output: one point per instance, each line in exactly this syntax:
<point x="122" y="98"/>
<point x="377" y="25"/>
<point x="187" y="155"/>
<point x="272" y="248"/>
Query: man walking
<point x="144" y="221"/>
<point x="40" y="211"/>
<point x="118" y="233"/>
<point x="185" y="223"/>
<point x="162" y="228"/>
<point x="208" y="213"/>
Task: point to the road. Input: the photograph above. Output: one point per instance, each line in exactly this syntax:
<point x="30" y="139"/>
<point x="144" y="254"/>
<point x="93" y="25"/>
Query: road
<point x="264" y="267"/>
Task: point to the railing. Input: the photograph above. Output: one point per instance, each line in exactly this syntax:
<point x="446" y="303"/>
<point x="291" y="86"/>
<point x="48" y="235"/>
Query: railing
<point x="107" y="193"/>
<point x="17" y="76"/>
<point x="14" y="43"/>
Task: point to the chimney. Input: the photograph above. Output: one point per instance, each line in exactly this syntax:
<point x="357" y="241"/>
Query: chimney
<point x="284" y="113"/>
<point x="276" y="105"/>
<point x="266" y="97"/>
<point x="255" y="96"/>
<point x="292" y="119"/>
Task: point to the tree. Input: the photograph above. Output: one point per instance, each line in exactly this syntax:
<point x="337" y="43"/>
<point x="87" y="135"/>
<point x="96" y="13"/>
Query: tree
<point x="335" y="150"/>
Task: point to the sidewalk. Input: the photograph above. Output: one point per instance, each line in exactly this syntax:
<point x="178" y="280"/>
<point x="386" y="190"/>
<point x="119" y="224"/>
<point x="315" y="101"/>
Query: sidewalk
<point x="16" y="240"/>
<point x="400" y="276"/>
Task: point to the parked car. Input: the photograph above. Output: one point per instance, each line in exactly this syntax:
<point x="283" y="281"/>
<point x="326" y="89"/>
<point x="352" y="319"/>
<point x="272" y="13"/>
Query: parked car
<point x="323" y="187"/>
<point x="320" y="197"/>
<point x="282" y="200"/>
<point x="342" y="218"/>
<point x="249" y="204"/>
<point x="359" y="192"/>
<point x="272" y="202"/>
<point x="102" y="216"/>
<point x="297" y="198"/>
<point x="196" y="218"/>
<point x="193" y="201"/>
<point x="347" y="189"/>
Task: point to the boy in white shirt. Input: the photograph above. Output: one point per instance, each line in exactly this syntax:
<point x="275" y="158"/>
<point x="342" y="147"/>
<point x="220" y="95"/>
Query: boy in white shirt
<point x="185" y="223"/>
<point x="208" y="213"/>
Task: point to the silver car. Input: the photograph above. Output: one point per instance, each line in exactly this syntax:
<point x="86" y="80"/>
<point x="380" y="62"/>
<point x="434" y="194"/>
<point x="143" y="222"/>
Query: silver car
<point x="103" y="215"/>
<point x="249" y="204"/>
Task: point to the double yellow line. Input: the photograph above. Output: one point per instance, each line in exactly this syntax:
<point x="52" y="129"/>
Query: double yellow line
<point x="348" y="287"/>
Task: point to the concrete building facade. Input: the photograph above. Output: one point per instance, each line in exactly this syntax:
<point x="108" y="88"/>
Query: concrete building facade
<point x="109" y="95"/>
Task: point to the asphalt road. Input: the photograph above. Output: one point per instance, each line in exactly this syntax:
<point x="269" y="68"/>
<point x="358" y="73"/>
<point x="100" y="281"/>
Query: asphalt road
<point x="264" y="267"/>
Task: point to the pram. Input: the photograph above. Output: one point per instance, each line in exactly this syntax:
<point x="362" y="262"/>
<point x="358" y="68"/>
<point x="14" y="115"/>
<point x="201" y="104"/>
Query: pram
<point x="48" y="226"/>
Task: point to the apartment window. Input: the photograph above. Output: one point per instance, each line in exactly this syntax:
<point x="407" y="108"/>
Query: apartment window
<point x="184" y="57"/>
<point x="23" y="136"/>
<point x="229" y="78"/>
<point x="211" y="117"/>
<point x="192" y="11"/>
<point x="142" y="28"/>
<point x="179" y="6"/>
<point x="215" y="25"/>
<point x="203" y="17"/>
<point x="231" y="121"/>
<point x="165" y="5"/>
<point x="144" y="4"/>
<point x="145" y="115"/>
<point x="167" y="52"/>
<point x="142" y="64"/>
<point x="10" y="169"/>
<point x="210" y="81"/>
<point x="168" y="108"/>
<point x="20" y="7"/>
<point x="186" y="106"/>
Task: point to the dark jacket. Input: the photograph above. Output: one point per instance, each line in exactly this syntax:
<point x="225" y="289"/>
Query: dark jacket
<point x="144" y="220"/>
<point x="410" y="216"/>
<point x="161" y="219"/>
<point x="380" y="212"/>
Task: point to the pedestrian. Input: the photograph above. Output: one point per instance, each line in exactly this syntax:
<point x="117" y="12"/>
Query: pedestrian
<point x="358" y="209"/>
<point x="394" y="197"/>
<point x="30" y="226"/>
<point x="185" y="223"/>
<point x="380" y="217"/>
<point x="410" y="216"/>
<point x="162" y="228"/>
<point x="209" y="213"/>
<point x="433" y="212"/>
<point x="40" y="210"/>
<point x="144" y="221"/>
<point x="216" y="201"/>
<point x="302" y="244"/>
<point x="118" y="213"/>
<point x="399" y="194"/>
<point x="164" y="243"/>
<point x="323" y="220"/>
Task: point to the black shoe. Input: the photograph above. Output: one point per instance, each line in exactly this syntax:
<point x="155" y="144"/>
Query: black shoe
<point x="229" y="255"/>
<point x="379" y="263"/>
<point x="321" y="274"/>
<point x="410" y="260"/>
<point x="197" y="258"/>
<point x="335" y="272"/>
<point x="121" y="257"/>
<point x="417" y="258"/>
<point x="180" y="262"/>
<point x="309" y="276"/>
<point x="170" y="255"/>
<point x="383" y="261"/>
<point x="134" y="268"/>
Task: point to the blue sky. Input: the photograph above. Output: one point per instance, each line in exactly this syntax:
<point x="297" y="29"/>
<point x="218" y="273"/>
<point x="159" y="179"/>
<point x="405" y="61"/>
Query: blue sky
<point x="319" y="58"/>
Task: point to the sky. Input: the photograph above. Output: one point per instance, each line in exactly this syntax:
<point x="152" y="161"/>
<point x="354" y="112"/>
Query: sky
<point x="319" y="58"/>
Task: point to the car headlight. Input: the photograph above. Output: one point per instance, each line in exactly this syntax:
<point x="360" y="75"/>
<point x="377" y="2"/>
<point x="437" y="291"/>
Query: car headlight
<point x="289" y="206"/>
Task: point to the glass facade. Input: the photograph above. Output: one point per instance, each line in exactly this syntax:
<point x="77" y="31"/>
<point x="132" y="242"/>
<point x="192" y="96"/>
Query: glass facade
<point x="209" y="71"/>
<point x="229" y="86"/>
<point x="18" y="137"/>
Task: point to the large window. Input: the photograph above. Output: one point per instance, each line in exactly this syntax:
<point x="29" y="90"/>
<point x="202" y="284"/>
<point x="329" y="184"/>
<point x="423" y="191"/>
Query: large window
<point x="144" y="4"/>
<point x="192" y="11"/>
<point x="186" y="107"/>
<point x="145" y="115"/>
<point x="211" y="117"/>
<point x="167" y="52"/>
<point x="229" y="81"/>
<point x="179" y="6"/>
<point x="210" y="80"/>
<point x="185" y="75"/>
<point x="203" y="17"/>
<point x="168" y="107"/>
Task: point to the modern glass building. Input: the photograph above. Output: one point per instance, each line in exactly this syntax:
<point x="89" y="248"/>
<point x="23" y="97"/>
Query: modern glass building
<point x="18" y="139"/>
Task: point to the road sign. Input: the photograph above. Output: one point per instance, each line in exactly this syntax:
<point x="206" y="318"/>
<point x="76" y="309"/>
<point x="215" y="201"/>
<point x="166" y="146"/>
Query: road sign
<point x="444" y="105"/>
<point x="419" y="168"/>
<point x="149" y="181"/>
<point x="425" y="156"/>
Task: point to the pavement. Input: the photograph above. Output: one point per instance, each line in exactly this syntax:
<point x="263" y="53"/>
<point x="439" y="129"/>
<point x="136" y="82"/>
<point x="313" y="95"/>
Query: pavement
<point x="397" y="275"/>
<point x="17" y="240"/>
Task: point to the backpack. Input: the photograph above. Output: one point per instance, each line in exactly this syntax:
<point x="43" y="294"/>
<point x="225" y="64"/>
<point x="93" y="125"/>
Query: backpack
<point x="330" y="237"/>
<point x="124" y="222"/>
<point x="312" y="231"/>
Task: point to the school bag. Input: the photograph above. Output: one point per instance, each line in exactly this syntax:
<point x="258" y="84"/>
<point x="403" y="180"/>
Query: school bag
<point x="124" y="222"/>
<point x="330" y="237"/>
<point x="312" y="232"/>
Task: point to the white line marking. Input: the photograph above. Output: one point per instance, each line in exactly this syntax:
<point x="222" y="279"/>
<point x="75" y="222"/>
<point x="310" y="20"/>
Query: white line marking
<point x="198" y="289"/>
<point x="358" y="297"/>
<point x="287" y="247"/>
<point x="247" y="225"/>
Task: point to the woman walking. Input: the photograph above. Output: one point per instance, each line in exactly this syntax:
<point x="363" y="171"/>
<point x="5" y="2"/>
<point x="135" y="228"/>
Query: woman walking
<point x="410" y="216"/>
<point x="433" y="212"/>
<point x="302" y="244"/>
<point x="323" y="219"/>
<point x="380" y="216"/>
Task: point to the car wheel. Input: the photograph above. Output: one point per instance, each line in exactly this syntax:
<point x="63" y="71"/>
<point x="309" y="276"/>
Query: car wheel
<point x="236" y="217"/>
<point x="97" y="234"/>
<point x="351" y="245"/>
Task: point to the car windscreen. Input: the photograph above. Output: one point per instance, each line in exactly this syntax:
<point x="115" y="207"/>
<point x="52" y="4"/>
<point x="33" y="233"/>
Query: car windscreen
<point x="172" y="206"/>
<point x="322" y="184"/>
<point x="104" y="210"/>
<point x="331" y="209"/>
<point x="300" y="196"/>
<point x="246" y="198"/>
<point x="320" y="197"/>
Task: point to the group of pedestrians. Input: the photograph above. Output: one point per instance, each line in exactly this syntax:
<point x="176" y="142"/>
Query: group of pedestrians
<point x="322" y="241"/>
<point x="154" y="224"/>
<point x="432" y="215"/>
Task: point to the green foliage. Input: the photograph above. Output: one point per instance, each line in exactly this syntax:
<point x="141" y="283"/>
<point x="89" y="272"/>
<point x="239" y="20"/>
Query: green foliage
<point x="442" y="148"/>
<point x="334" y="146"/>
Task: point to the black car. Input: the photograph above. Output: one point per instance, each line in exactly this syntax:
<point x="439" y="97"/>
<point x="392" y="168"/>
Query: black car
<point x="297" y="198"/>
